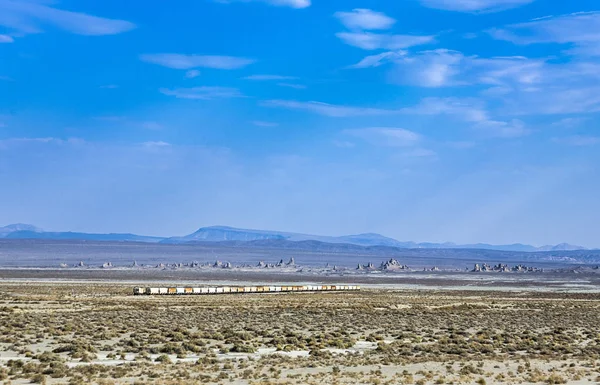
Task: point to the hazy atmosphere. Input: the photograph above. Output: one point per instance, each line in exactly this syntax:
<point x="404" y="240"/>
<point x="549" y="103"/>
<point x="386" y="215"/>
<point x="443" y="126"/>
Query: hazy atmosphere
<point x="422" y="120"/>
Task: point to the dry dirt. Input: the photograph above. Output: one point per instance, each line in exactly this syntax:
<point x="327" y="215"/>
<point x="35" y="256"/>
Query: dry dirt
<point x="84" y="333"/>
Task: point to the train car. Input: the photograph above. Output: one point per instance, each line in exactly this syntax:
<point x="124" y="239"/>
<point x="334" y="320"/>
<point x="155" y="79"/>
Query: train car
<point x="189" y="290"/>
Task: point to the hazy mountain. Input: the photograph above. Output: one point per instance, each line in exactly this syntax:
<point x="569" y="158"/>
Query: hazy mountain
<point x="6" y="230"/>
<point x="27" y="234"/>
<point x="225" y="234"/>
<point x="231" y="234"/>
<point x="561" y="247"/>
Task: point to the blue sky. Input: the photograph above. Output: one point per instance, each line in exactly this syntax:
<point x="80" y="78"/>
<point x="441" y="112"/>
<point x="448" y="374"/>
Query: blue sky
<point x="424" y="120"/>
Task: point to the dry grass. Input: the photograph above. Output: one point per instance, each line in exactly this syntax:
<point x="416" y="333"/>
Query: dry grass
<point x="100" y="334"/>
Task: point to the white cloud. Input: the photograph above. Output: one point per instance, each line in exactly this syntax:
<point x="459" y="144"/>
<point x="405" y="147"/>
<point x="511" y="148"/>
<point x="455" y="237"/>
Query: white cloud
<point x="192" y="74"/>
<point x="6" y="39"/>
<point x="570" y="122"/>
<point x="343" y="144"/>
<point x="269" y="77"/>
<point x="292" y="85"/>
<point x="109" y="86"/>
<point x="156" y="145"/>
<point x="474" y="5"/>
<point x="578" y="140"/>
<point x="373" y="41"/>
<point x="325" y="109"/>
<point x="469" y="110"/>
<point x="514" y="128"/>
<point x="573" y="28"/>
<point x="472" y="111"/>
<point x="446" y="68"/>
<point x="522" y="86"/>
<point x="14" y="142"/>
<point x="580" y="30"/>
<point x="437" y="68"/>
<point x="29" y="17"/>
<point x="260" y="123"/>
<point x="385" y="136"/>
<point x="203" y="93"/>
<point x="419" y="153"/>
<point x="150" y="125"/>
<point x="554" y="99"/>
<point x="186" y="62"/>
<point x="297" y="4"/>
<point x="365" y="19"/>
<point x="379" y="59"/>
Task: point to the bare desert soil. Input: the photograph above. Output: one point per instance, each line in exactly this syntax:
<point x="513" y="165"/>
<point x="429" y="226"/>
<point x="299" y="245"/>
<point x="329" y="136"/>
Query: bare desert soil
<point x="98" y="333"/>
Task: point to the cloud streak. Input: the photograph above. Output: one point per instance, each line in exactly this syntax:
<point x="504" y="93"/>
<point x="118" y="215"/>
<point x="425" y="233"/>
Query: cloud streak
<point x="28" y="17"/>
<point x="474" y="6"/>
<point x="472" y="111"/>
<point x="203" y="93"/>
<point x="297" y="4"/>
<point x="385" y="136"/>
<point x="269" y="77"/>
<point x="365" y="19"/>
<point x="581" y="30"/>
<point x="188" y="62"/>
<point x="373" y="41"/>
<point x="325" y="109"/>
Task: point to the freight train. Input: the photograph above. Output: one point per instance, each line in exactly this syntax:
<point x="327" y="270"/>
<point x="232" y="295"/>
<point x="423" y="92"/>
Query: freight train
<point x="238" y="290"/>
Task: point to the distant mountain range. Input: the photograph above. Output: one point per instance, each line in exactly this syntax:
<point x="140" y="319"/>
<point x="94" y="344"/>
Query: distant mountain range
<point x="23" y="231"/>
<point x="231" y="234"/>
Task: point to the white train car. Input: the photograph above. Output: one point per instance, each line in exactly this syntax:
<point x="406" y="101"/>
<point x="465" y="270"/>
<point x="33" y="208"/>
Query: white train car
<point x="240" y="290"/>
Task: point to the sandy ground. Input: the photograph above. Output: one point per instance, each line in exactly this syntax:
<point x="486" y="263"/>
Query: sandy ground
<point x="436" y="329"/>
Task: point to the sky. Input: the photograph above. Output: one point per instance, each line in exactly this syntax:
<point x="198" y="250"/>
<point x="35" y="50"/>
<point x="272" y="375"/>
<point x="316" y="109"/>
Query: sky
<point x="423" y="120"/>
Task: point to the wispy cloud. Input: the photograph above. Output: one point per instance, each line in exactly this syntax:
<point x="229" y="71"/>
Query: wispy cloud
<point x="28" y="17"/>
<point x="331" y="110"/>
<point x="150" y="125"/>
<point x="385" y="136"/>
<point x="578" y="140"/>
<point x="579" y="29"/>
<point x="570" y="122"/>
<point x="475" y="5"/>
<point x="379" y="59"/>
<point x="269" y="77"/>
<point x="365" y="19"/>
<point x="446" y="68"/>
<point x="438" y="68"/>
<point x="186" y="62"/>
<point x="6" y="39"/>
<point x="472" y="111"/>
<point x="260" y="123"/>
<point x="373" y="41"/>
<point x="203" y="93"/>
<point x="298" y="4"/>
<point x="14" y="142"/>
<point x="192" y="74"/>
<point x="155" y="145"/>
<point x="109" y="86"/>
<point x="469" y="110"/>
<point x="292" y="85"/>
<point x="344" y="144"/>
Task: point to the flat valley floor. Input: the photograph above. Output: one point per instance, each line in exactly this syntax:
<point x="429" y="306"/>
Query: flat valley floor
<point x="78" y="332"/>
